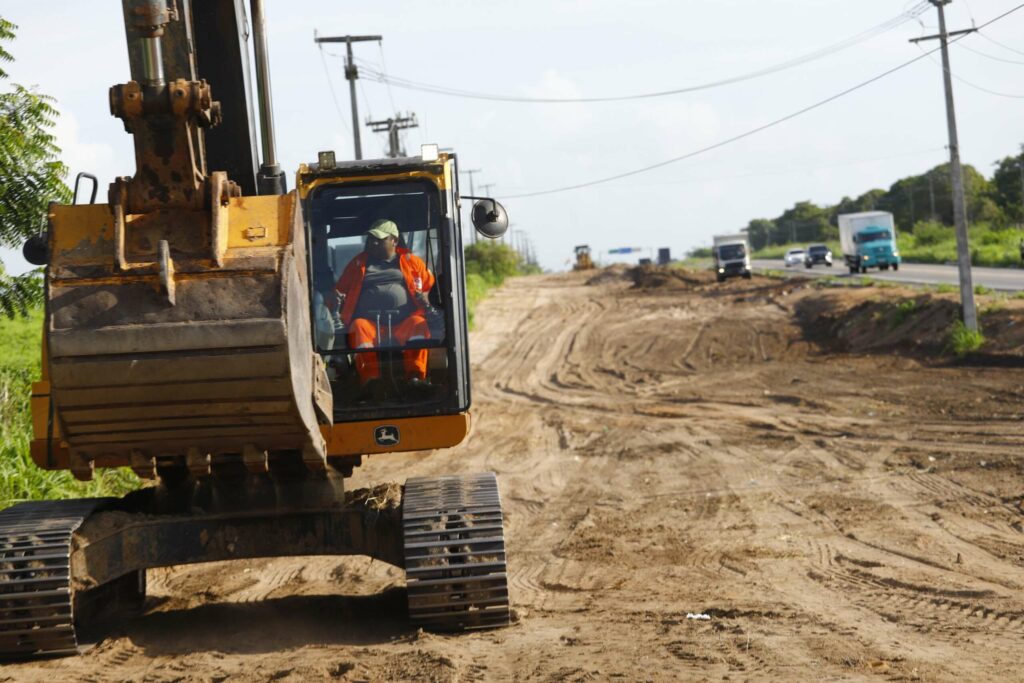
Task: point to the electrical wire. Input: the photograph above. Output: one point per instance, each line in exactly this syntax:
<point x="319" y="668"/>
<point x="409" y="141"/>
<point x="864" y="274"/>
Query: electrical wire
<point x="884" y="27"/>
<point x="334" y="95"/>
<point x="969" y="84"/>
<point x="384" y="70"/>
<point x="784" y="171"/>
<point x="996" y="42"/>
<point x="992" y="57"/>
<point x="759" y="129"/>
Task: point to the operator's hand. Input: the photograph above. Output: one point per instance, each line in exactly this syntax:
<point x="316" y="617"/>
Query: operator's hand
<point x="336" y="302"/>
<point x="424" y="299"/>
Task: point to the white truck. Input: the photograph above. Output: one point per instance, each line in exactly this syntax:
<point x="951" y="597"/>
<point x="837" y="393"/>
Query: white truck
<point x="732" y="256"/>
<point x="868" y="240"/>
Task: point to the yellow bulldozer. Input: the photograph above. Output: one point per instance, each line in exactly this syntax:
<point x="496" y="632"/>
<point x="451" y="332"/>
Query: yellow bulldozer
<point x="583" y="260"/>
<point x="194" y="332"/>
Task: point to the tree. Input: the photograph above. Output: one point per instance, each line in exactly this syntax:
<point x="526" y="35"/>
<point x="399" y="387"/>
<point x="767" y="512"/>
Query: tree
<point x="805" y="222"/>
<point x="759" y="231"/>
<point x="1008" y="186"/>
<point x="31" y="176"/>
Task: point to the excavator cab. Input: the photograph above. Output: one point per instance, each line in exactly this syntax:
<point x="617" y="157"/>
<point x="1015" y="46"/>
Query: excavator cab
<point x="400" y="361"/>
<point x="398" y="375"/>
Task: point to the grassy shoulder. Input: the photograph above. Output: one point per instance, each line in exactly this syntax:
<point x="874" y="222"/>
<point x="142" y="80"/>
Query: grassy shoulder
<point x="488" y="264"/>
<point x="20" y="479"/>
<point x="935" y="243"/>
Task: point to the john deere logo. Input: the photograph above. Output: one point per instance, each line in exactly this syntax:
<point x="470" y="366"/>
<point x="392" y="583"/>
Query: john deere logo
<point x="386" y="435"/>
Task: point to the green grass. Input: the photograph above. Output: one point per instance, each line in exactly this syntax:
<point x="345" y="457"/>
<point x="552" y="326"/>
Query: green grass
<point x="963" y="340"/>
<point x="946" y="288"/>
<point x="904" y="310"/>
<point x="20" y="479"/>
<point x="982" y="290"/>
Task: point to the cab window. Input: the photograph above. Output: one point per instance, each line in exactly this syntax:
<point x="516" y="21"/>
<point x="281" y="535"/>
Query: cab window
<point x="379" y="322"/>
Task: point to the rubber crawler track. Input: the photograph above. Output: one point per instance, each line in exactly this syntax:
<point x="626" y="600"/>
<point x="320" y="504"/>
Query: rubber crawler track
<point x="455" y="553"/>
<point x="36" y="600"/>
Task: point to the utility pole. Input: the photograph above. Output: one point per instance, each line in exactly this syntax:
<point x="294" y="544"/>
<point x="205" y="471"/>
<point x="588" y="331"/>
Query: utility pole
<point x="351" y="74"/>
<point x="392" y="126"/>
<point x="963" y="251"/>
<point x="931" y="195"/>
<point x="472" y="192"/>
<point x="1022" y="184"/>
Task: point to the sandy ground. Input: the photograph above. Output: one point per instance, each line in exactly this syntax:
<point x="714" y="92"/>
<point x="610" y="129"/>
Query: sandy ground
<point x="840" y="509"/>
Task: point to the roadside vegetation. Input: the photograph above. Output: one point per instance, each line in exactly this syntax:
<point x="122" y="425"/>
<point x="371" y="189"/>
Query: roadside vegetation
<point x="963" y="340"/>
<point x="20" y="479"/>
<point x="922" y="206"/>
<point x="932" y="242"/>
<point x="487" y="265"/>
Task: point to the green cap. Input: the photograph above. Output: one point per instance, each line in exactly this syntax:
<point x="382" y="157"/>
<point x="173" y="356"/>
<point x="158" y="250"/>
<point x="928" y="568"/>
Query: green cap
<point x="383" y="228"/>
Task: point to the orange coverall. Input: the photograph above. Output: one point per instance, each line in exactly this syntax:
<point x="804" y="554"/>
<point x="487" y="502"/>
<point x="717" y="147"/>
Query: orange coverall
<point x="363" y="332"/>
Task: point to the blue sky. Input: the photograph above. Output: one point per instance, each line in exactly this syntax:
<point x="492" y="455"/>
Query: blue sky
<point x="571" y="48"/>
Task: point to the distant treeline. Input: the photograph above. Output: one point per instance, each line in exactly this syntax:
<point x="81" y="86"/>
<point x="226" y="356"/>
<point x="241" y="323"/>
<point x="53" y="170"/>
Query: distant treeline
<point x="923" y="199"/>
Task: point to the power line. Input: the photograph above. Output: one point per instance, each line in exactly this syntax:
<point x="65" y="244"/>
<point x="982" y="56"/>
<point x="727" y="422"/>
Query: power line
<point x="968" y="83"/>
<point x="784" y="171"/>
<point x="988" y="56"/>
<point x="754" y="131"/>
<point x="884" y="27"/>
<point x="334" y="95"/>
<point x="996" y="42"/>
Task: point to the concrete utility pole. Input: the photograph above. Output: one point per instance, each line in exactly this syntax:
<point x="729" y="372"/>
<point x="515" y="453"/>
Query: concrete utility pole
<point x="1022" y="184"/>
<point x="931" y="195"/>
<point x="963" y="250"/>
<point x="351" y="74"/>
<point x="392" y="126"/>
<point x="472" y="192"/>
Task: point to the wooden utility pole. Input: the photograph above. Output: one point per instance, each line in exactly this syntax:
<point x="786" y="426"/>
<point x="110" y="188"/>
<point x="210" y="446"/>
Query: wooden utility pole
<point x="392" y="126"/>
<point x="963" y="250"/>
<point x="351" y="74"/>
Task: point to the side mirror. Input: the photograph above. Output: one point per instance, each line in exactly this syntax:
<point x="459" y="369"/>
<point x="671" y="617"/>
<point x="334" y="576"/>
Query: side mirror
<point x="36" y="249"/>
<point x="489" y="218"/>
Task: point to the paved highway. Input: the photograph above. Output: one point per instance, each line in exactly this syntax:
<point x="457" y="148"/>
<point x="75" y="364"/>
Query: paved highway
<point x="1003" y="279"/>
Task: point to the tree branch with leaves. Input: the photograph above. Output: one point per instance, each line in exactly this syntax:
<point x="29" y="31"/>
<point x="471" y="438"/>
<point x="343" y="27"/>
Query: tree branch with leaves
<point x="31" y="176"/>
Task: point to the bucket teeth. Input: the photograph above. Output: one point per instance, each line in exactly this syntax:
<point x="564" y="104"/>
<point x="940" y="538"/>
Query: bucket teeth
<point x="197" y="461"/>
<point x="143" y="465"/>
<point x="255" y="460"/>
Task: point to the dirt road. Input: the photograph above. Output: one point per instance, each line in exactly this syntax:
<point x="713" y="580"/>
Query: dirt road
<point x="669" y="451"/>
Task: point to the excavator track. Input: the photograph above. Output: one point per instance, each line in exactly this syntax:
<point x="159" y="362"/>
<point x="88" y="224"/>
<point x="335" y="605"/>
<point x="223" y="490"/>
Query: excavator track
<point x="455" y="553"/>
<point x="36" y="598"/>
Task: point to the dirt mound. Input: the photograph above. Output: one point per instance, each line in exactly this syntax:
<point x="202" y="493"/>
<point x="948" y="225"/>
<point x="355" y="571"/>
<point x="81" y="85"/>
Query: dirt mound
<point x="909" y="322"/>
<point x="609" y="275"/>
<point x="661" y="277"/>
<point x="849" y="322"/>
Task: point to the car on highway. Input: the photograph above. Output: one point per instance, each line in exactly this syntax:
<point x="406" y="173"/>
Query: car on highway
<point x="818" y="253"/>
<point x="794" y="257"/>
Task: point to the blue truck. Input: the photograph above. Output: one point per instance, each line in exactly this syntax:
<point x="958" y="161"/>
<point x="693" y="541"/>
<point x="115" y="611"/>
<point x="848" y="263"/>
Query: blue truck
<point x="868" y="240"/>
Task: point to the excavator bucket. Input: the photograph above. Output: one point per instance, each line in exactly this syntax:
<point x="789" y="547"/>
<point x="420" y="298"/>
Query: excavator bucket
<point x="174" y="336"/>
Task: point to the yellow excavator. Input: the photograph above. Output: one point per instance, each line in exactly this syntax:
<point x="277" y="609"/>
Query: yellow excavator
<point x="193" y="334"/>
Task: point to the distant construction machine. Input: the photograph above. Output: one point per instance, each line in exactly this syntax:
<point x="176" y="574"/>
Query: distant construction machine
<point x="583" y="260"/>
<point x="193" y="334"/>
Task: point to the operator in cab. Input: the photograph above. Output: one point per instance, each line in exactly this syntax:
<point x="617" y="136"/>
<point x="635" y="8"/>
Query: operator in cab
<point x="383" y="294"/>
